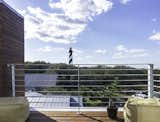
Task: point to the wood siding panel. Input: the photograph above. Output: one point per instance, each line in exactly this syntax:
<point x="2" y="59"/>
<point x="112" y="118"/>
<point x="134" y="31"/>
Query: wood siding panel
<point x="11" y="46"/>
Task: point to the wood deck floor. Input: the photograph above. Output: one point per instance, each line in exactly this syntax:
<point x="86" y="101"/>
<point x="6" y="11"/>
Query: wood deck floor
<point x="72" y="117"/>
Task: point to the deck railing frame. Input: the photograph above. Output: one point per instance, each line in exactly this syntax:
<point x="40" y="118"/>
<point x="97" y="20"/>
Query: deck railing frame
<point x="150" y="77"/>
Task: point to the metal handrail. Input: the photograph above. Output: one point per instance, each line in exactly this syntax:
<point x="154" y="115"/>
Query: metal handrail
<point x="94" y="86"/>
<point x="129" y="91"/>
<point x="77" y="69"/>
<point x="100" y="75"/>
<point x="136" y="80"/>
<point x="134" y="64"/>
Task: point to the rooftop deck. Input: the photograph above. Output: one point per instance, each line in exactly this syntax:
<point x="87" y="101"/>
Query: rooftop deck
<point x="80" y="86"/>
<point x="72" y="117"/>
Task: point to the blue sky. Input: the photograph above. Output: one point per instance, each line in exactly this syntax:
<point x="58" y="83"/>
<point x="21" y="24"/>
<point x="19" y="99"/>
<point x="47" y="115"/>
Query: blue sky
<point x="100" y="31"/>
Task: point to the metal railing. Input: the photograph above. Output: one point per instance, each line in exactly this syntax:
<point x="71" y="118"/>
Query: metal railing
<point x="81" y="85"/>
<point x="156" y="82"/>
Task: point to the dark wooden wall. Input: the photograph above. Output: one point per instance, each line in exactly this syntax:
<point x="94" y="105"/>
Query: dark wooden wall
<point x="11" y="46"/>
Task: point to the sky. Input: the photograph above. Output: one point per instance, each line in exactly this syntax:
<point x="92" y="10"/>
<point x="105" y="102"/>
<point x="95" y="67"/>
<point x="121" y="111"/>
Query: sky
<point x="99" y="31"/>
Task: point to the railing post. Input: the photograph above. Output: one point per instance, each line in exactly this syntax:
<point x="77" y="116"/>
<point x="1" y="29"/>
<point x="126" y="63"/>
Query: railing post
<point x="150" y="81"/>
<point x="13" y="79"/>
<point x="78" y="91"/>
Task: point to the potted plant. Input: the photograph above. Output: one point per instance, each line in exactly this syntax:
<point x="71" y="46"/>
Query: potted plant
<point x="110" y="92"/>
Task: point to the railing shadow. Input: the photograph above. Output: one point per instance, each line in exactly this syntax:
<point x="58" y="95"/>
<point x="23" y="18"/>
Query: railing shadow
<point x="90" y="117"/>
<point x="42" y="117"/>
<point x="119" y="119"/>
<point x="39" y="117"/>
<point x="98" y="120"/>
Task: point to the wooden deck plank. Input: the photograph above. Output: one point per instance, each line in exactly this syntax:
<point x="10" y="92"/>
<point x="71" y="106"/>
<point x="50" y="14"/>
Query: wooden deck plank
<point x="72" y="117"/>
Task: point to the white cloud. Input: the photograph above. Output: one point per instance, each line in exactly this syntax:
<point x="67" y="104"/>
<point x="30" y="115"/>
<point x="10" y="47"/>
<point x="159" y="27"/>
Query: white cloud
<point x="50" y="27"/>
<point x="155" y="37"/>
<point x="82" y="10"/>
<point x="121" y="48"/>
<point x="49" y="49"/>
<point x="154" y="19"/>
<point x="125" y="1"/>
<point x="123" y="52"/>
<point x="64" y="26"/>
<point x="77" y="51"/>
<point x="80" y="55"/>
<point x="45" y="49"/>
<point x="154" y="31"/>
<point x="101" y="51"/>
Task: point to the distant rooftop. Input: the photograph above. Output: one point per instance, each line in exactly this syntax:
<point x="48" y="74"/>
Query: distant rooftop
<point x="40" y="80"/>
<point x="13" y="10"/>
<point x="38" y="100"/>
